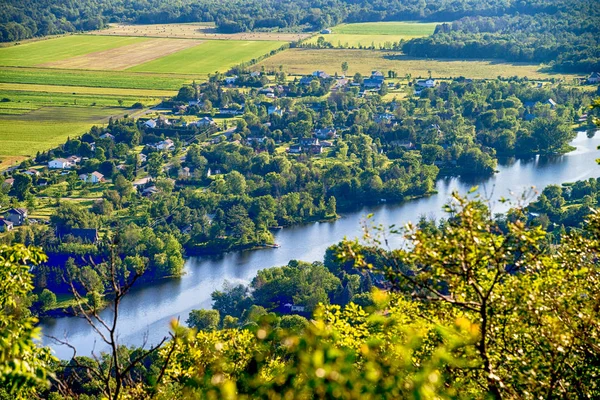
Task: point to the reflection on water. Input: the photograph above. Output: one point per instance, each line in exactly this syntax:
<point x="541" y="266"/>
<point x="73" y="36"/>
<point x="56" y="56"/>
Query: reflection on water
<point x="149" y="309"/>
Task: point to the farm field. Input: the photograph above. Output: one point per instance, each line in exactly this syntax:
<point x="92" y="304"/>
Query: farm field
<point x="194" y="31"/>
<point x="52" y="50"/>
<point x="22" y="136"/>
<point x="209" y="57"/>
<point x="374" y="34"/>
<point x="98" y="79"/>
<point x="304" y="61"/>
<point x="86" y="90"/>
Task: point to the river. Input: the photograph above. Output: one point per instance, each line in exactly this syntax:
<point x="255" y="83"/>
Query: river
<point x="145" y="313"/>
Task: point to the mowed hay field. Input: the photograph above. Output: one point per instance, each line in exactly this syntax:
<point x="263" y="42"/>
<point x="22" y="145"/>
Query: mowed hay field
<point x="305" y="61"/>
<point x="377" y="34"/>
<point x="194" y="31"/>
<point x="209" y="57"/>
<point x="22" y="136"/>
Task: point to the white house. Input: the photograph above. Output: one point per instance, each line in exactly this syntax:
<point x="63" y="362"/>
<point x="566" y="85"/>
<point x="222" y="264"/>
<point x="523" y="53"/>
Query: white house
<point x="74" y="160"/>
<point x="294" y="308"/>
<point x="427" y="83"/>
<point x="94" y="177"/>
<point x="274" y="110"/>
<point x="5" y="225"/>
<point x="203" y="122"/>
<point x="107" y="136"/>
<point x="230" y="80"/>
<point x="255" y="74"/>
<point x="59" y="163"/>
<point x="150" y="124"/>
<point x="326" y="32"/>
<point x="32" y="172"/>
<point x="166" y="144"/>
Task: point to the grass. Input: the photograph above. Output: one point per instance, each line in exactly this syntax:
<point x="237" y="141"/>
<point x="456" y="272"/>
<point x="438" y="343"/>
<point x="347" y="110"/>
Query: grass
<point x="33" y="100"/>
<point x="22" y="136"/>
<point x="376" y="34"/>
<point x="100" y="79"/>
<point x="413" y="29"/>
<point x="305" y="61"/>
<point x="86" y="90"/>
<point x="34" y="53"/>
<point x="208" y="57"/>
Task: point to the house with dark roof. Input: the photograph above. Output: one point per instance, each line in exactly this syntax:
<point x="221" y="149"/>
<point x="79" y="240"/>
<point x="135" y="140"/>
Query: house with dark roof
<point x="17" y="216"/>
<point x="594" y="77"/>
<point x="5" y="225"/>
<point x="309" y="141"/>
<point x="326" y="133"/>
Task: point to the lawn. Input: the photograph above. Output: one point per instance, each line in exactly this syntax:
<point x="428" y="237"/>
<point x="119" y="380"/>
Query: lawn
<point x="23" y="136"/>
<point x="45" y="51"/>
<point x="209" y="57"/>
<point x="102" y="79"/>
<point x="305" y="61"/>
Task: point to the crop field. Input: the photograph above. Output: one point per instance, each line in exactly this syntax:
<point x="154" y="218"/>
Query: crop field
<point x="86" y="90"/>
<point x="194" y="31"/>
<point x="304" y="61"/>
<point x="209" y="57"/>
<point x="99" y="79"/>
<point x="22" y="136"/>
<point x="374" y="34"/>
<point x="124" y="57"/>
<point x="51" y="50"/>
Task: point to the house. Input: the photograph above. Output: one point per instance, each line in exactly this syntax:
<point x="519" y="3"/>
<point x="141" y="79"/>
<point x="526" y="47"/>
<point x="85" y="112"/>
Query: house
<point x="309" y="141"/>
<point x="32" y="172"/>
<point x="9" y="181"/>
<point x="427" y="83"/>
<point x="274" y="110"/>
<point x="150" y="191"/>
<point x="107" y="136"/>
<point x="315" y="149"/>
<point x="551" y="102"/>
<point x="204" y="122"/>
<point x="375" y="81"/>
<point x="166" y="144"/>
<point x="321" y="74"/>
<point x="384" y="118"/>
<point x="326" y="32"/>
<point x="74" y="160"/>
<point x="255" y="74"/>
<point x="86" y="235"/>
<point x="326" y="133"/>
<point x="59" y="163"/>
<point x="295" y="149"/>
<point x="42" y="182"/>
<point x="293" y="308"/>
<point x="5" y="225"/>
<point x="594" y="77"/>
<point x="17" y="216"/>
<point x="142" y="157"/>
<point x="150" y="124"/>
<point x="326" y="143"/>
<point x="184" y="173"/>
<point x="306" y="80"/>
<point x="230" y="80"/>
<point x="94" y="177"/>
<point x="258" y="140"/>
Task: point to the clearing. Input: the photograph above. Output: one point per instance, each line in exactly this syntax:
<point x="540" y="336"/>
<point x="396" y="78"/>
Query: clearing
<point x="209" y="57"/>
<point x="194" y="31"/>
<point x="374" y="34"/>
<point x="305" y="61"/>
<point x="123" y="57"/>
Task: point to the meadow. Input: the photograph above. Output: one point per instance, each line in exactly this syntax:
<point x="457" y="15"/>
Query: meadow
<point x="304" y="61"/>
<point x="22" y="136"/>
<point x="374" y="34"/>
<point x="197" y="30"/>
<point x="209" y="57"/>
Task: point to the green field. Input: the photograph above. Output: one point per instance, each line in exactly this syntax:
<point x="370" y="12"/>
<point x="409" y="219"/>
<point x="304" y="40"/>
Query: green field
<point x="106" y="79"/>
<point x="43" y="51"/>
<point x="23" y="136"/>
<point x="374" y="34"/>
<point x="209" y="57"/>
<point x="387" y="28"/>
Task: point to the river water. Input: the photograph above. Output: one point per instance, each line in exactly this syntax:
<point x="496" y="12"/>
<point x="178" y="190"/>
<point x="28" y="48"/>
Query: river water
<point x="145" y="313"/>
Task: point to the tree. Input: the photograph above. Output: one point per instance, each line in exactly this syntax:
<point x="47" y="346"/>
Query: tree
<point x="232" y="300"/>
<point x="24" y="367"/>
<point x="47" y="299"/>
<point x="344" y="67"/>
<point x="123" y="186"/>
<point x="155" y="165"/>
<point x="204" y="320"/>
<point x="331" y="209"/>
<point x="22" y="186"/>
